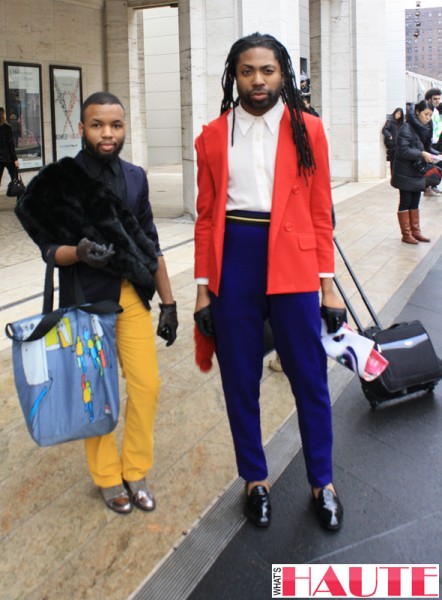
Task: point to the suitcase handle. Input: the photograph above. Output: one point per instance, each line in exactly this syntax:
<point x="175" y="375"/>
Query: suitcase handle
<point x="360" y="290"/>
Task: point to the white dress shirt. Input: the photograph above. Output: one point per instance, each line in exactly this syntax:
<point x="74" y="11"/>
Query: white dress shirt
<point x="251" y="161"/>
<point x="252" y="157"/>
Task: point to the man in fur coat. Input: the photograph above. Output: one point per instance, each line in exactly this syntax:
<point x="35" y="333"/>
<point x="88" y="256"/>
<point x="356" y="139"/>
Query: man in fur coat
<point x="94" y="213"/>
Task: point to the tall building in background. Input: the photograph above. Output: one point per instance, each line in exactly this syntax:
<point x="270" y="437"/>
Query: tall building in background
<point x="423" y="27"/>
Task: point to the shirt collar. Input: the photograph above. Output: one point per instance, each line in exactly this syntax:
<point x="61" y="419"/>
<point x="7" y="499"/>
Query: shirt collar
<point x="97" y="166"/>
<point x="271" y="118"/>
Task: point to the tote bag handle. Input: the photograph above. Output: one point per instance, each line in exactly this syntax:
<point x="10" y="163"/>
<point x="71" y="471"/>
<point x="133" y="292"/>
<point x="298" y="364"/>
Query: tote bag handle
<point x="51" y="317"/>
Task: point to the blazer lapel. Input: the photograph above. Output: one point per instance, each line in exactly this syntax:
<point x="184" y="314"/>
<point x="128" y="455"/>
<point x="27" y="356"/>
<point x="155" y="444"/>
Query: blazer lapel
<point x="285" y="175"/>
<point x="215" y="143"/>
<point x="130" y="181"/>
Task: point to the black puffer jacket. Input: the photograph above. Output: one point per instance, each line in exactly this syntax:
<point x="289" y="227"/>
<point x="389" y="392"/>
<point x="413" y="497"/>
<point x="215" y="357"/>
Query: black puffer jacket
<point x="390" y="131"/>
<point x="413" y="138"/>
<point x="7" y="150"/>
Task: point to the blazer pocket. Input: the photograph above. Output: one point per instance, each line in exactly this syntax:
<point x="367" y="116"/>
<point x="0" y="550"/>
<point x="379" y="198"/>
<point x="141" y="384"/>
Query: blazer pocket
<point x="307" y="241"/>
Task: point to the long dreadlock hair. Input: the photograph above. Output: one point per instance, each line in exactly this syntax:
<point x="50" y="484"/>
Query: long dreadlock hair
<point x="289" y="93"/>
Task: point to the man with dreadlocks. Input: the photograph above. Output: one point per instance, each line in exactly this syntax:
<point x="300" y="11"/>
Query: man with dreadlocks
<point x="263" y="248"/>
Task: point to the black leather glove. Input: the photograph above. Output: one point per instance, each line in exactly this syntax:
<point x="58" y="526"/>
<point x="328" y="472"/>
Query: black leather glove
<point x="168" y="323"/>
<point x="93" y="254"/>
<point x="333" y="317"/>
<point x="203" y="320"/>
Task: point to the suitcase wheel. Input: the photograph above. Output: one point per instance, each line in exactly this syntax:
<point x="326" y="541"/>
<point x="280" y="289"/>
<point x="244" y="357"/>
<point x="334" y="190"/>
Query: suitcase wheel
<point x="373" y="403"/>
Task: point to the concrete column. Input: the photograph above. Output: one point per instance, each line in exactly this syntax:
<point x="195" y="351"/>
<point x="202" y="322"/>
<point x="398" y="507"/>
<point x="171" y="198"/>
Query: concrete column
<point x="320" y="59"/>
<point x="122" y="73"/>
<point x="369" y="93"/>
<point x="192" y="34"/>
<point x="143" y="158"/>
<point x="395" y="55"/>
<point x="281" y="21"/>
<point x="349" y="83"/>
<point x="207" y="29"/>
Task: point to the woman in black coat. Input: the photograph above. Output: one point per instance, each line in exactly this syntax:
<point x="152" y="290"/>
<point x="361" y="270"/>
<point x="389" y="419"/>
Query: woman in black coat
<point x="8" y="156"/>
<point x="413" y="153"/>
<point x="390" y="131"/>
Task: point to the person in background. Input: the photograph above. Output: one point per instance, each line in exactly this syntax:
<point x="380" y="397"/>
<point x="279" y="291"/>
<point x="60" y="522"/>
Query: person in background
<point x="94" y="212"/>
<point x="410" y="173"/>
<point x="304" y="84"/>
<point x="8" y="156"/>
<point x="263" y="249"/>
<point x="433" y="97"/>
<point x="309" y="107"/>
<point x="390" y="131"/>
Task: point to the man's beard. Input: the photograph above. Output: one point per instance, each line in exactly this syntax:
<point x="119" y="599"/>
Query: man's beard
<point x="104" y="157"/>
<point x="272" y="98"/>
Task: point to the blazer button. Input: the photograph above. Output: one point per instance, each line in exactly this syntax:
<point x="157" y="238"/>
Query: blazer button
<point x="288" y="226"/>
<point x="295" y="189"/>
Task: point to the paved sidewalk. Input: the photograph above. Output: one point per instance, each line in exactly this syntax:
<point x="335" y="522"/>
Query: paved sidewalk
<point x="57" y="539"/>
<point x="388" y="467"/>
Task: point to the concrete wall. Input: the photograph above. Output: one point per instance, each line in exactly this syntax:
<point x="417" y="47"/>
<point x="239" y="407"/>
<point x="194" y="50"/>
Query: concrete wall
<point x="53" y="32"/>
<point x="304" y="36"/>
<point x="349" y="83"/>
<point x="395" y="54"/>
<point x="162" y="80"/>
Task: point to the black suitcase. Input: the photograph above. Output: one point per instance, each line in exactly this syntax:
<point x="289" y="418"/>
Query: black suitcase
<point x="413" y="363"/>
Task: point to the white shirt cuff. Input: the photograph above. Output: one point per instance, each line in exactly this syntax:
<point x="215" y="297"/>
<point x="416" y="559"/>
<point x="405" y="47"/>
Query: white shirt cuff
<point x="202" y="280"/>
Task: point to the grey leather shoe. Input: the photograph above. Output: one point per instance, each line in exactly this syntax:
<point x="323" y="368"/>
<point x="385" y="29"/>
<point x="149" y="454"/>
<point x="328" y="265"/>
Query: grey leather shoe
<point x="116" y="498"/>
<point x="140" y="494"/>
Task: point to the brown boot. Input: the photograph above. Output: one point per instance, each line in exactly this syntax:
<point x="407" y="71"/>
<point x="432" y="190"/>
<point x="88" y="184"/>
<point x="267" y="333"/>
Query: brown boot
<point x="415" y="228"/>
<point x="404" y="223"/>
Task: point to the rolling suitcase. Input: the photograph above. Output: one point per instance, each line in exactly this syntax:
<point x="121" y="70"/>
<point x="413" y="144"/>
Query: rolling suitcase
<point x="413" y="363"/>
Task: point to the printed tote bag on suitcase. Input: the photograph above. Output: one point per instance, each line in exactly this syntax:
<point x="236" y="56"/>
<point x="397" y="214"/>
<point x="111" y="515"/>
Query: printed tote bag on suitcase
<point x="65" y="368"/>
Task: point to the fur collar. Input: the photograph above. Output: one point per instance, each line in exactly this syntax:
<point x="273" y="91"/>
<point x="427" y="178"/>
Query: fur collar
<point x="63" y="204"/>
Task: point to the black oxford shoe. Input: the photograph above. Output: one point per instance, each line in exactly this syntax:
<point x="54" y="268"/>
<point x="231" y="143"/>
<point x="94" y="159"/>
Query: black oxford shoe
<point x="329" y="509"/>
<point x="257" y="508"/>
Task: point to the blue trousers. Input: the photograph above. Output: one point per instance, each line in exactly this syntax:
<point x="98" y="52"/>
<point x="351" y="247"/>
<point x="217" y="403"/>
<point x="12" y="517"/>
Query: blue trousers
<point x="238" y="314"/>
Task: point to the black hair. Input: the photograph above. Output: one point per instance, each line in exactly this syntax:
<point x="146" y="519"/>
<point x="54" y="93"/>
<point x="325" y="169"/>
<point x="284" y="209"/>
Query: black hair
<point x="99" y="98"/>
<point x="401" y="110"/>
<point x="289" y="93"/>
<point x="420" y="106"/>
<point x="432" y="92"/>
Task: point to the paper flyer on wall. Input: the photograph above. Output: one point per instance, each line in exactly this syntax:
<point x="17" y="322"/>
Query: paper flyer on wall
<point x="354" y="351"/>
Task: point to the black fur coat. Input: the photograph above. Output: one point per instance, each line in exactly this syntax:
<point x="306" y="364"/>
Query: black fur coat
<point x="63" y="204"/>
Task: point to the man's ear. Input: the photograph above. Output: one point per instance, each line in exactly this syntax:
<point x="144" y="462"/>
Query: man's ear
<point x="80" y="128"/>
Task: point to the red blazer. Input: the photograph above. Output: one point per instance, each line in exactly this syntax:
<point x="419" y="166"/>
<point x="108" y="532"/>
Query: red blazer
<point x="301" y="231"/>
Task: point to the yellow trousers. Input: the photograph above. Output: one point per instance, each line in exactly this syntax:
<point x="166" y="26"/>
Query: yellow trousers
<point x="137" y="357"/>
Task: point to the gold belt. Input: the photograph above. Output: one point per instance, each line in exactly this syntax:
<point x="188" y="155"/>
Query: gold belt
<point x="252" y="219"/>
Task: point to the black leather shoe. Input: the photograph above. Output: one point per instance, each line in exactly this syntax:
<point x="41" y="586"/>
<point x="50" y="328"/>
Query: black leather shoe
<point x="329" y="509"/>
<point x="257" y="508"/>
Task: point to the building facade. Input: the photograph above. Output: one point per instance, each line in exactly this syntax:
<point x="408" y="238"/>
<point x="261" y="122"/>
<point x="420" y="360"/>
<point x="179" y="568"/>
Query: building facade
<point x="423" y="28"/>
<point x="167" y="67"/>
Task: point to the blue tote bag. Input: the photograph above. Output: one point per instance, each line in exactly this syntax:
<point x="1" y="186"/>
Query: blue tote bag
<point x="66" y="368"/>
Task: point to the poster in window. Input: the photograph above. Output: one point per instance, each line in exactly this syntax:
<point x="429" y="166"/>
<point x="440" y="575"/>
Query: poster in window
<point x="24" y="112"/>
<point x="66" y="98"/>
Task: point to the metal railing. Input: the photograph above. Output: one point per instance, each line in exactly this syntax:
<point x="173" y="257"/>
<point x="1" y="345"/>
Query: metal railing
<point x="417" y="85"/>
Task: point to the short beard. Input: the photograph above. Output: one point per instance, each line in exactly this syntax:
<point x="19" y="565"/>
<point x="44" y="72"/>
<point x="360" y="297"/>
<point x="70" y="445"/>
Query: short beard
<point x="272" y="99"/>
<point x="102" y="157"/>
